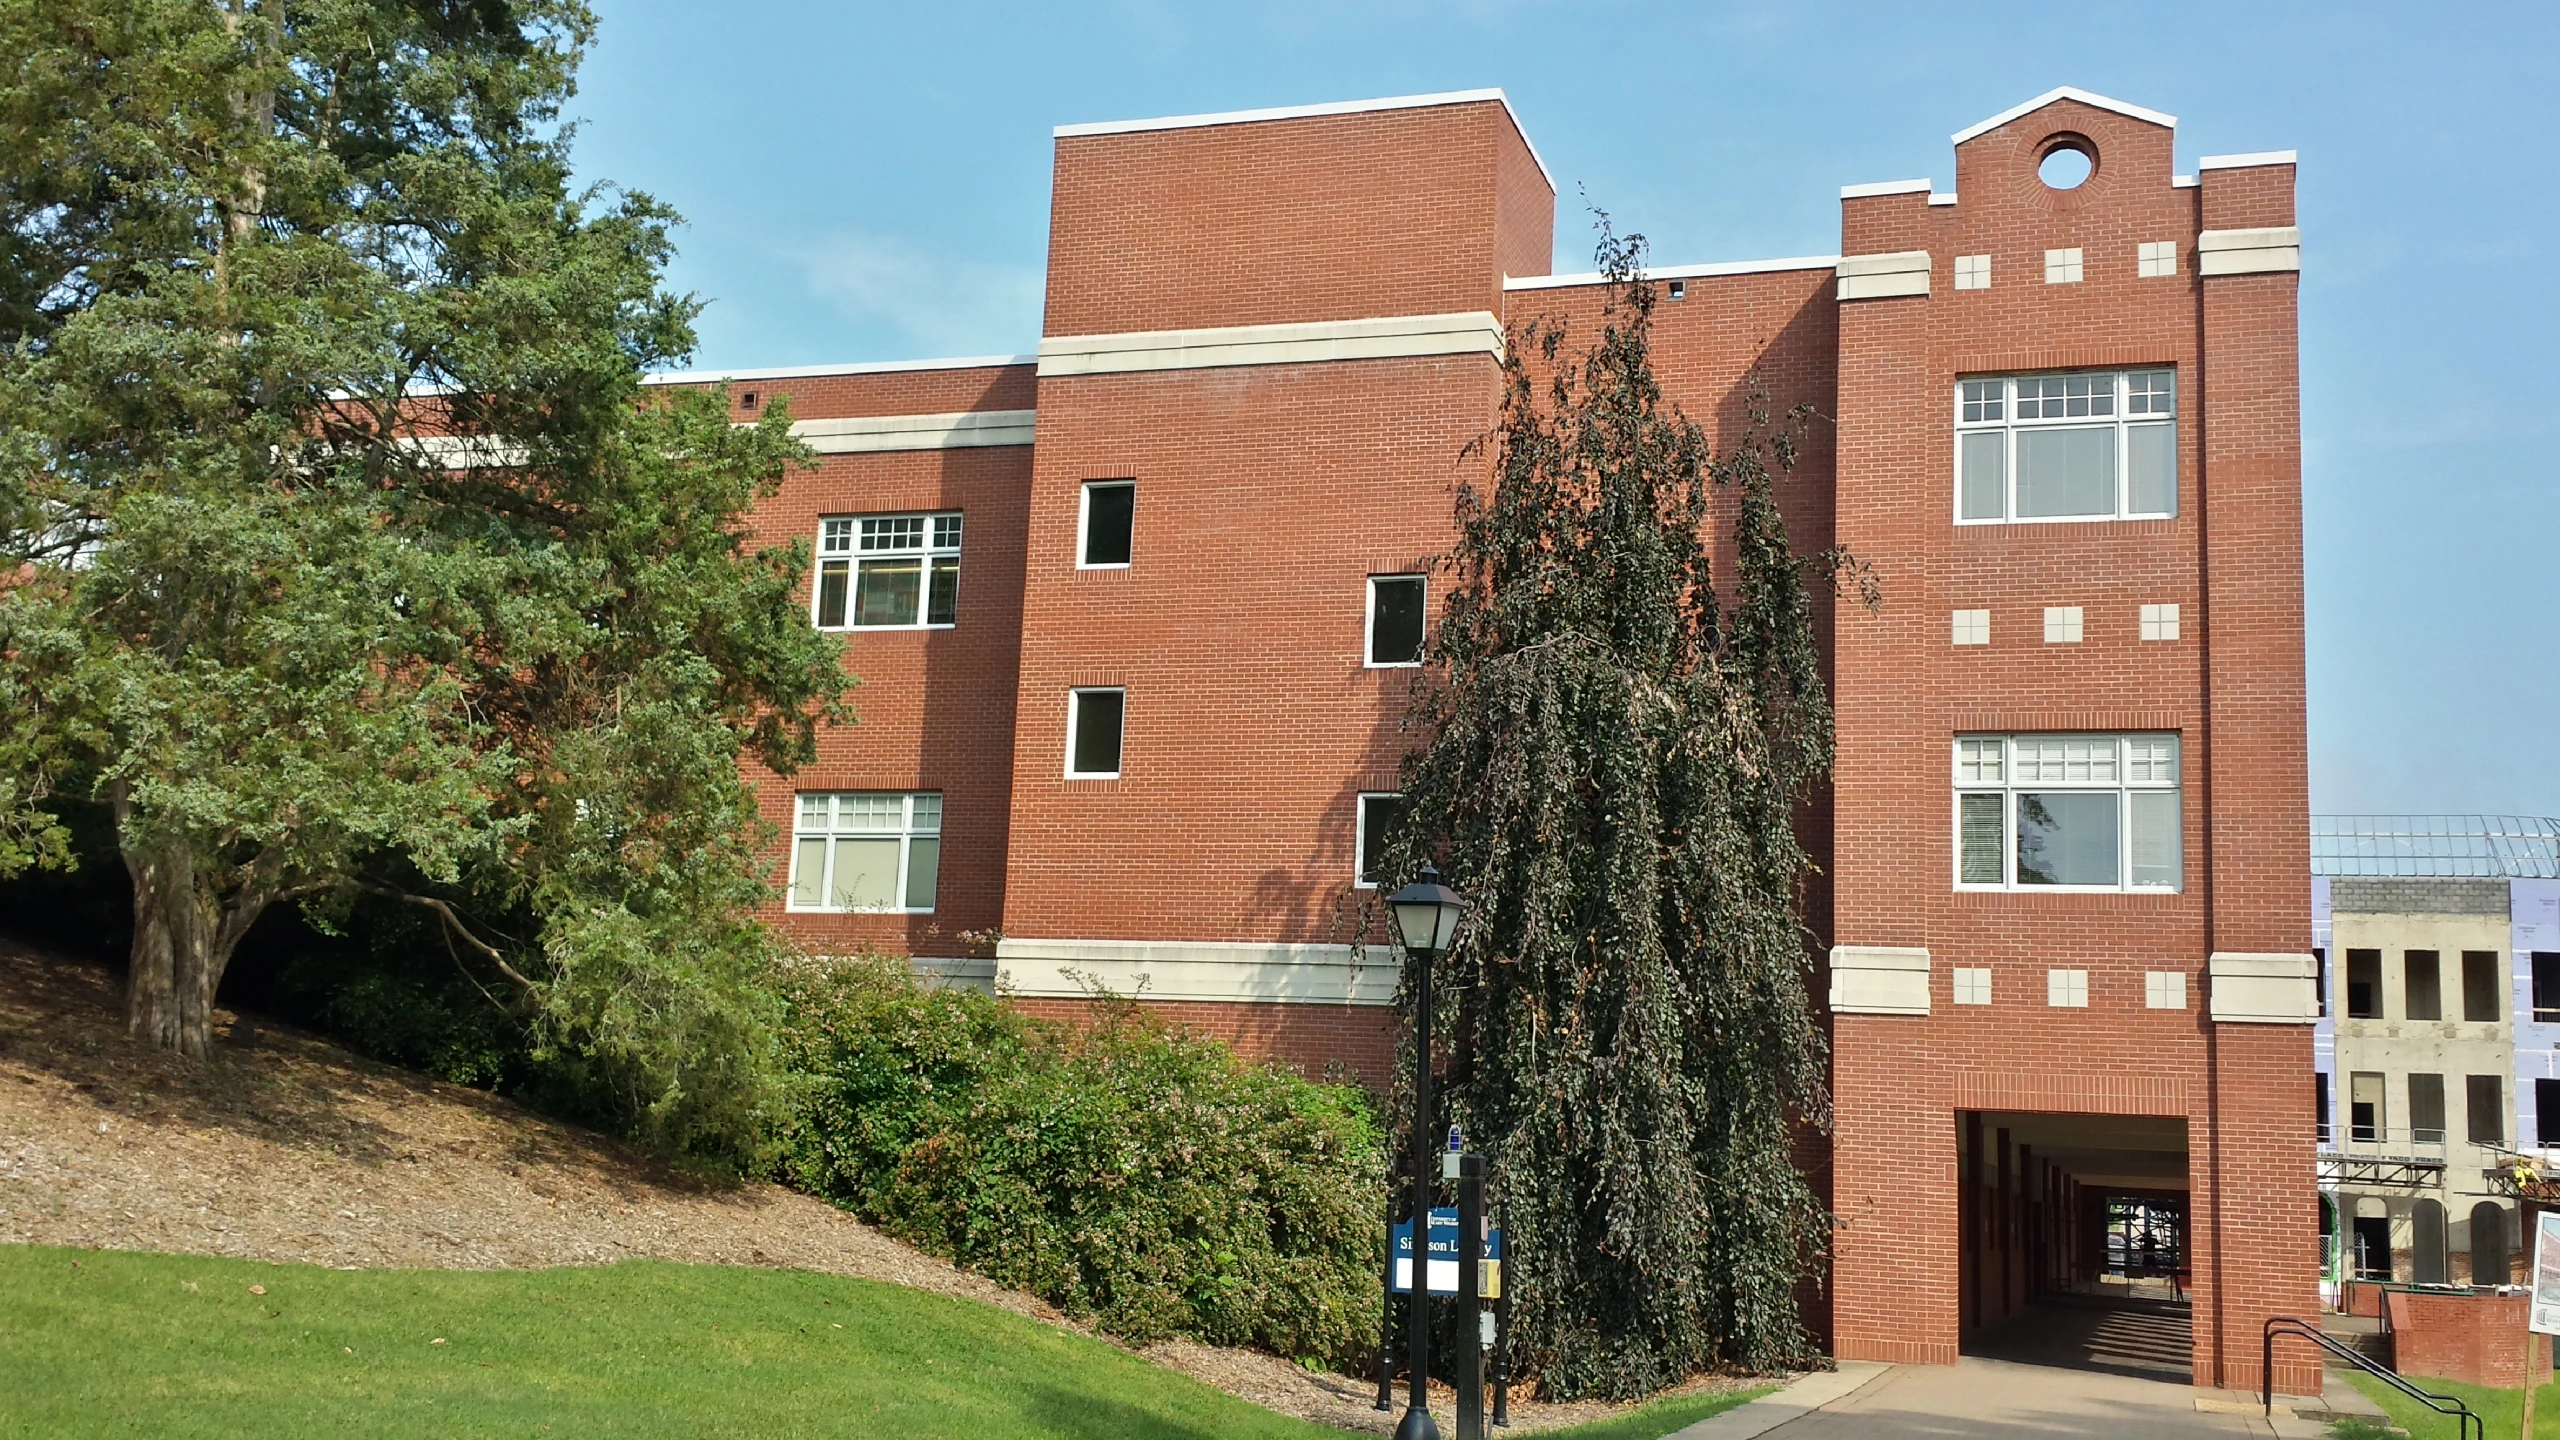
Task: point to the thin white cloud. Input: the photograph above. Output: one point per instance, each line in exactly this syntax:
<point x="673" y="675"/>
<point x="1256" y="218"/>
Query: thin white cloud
<point x="932" y="302"/>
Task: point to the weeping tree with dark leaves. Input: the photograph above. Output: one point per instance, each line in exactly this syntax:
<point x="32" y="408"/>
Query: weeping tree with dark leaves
<point x="1615" y="743"/>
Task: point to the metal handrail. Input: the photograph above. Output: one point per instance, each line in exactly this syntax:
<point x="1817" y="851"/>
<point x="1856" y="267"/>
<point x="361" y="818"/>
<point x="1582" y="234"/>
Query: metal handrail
<point x="2467" y="1424"/>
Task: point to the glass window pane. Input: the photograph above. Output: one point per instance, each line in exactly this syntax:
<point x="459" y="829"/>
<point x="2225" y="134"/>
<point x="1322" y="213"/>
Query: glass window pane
<point x="835" y="536"/>
<point x="831" y="588"/>
<point x="870" y="812"/>
<point x="2067" y="838"/>
<point x="1978" y="839"/>
<point x="1982" y="494"/>
<point x="924" y="857"/>
<point x="942" y="606"/>
<point x="946" y="532"/>
<point x="1395" y="620"/>
<point x="813" y="811"/>
<point x="894" y="532"/>
<point x="1109" y="515"/>
<point x="2066" y="472"/>
<point x="1098" y="717"/>
<point x="866" y="875"/>
<point x="928" y="817"/>
<point x="2151" y="466"/>
<point x="887" y="591"/>
<point x="2152" y="815"/>
<point x="1379" y="815"/>
<point x="809" y="872"/>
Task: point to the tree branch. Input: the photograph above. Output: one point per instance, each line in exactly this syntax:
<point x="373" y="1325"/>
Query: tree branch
<point x="453" y="924"/>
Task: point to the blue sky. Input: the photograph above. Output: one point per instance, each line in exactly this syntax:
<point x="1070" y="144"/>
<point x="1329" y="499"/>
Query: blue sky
<point x="870" y="182"/>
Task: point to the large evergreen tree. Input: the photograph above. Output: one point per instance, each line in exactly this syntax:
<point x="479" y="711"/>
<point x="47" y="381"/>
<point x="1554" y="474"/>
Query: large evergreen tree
<point x="1614" y="751"/>
<point x="343" y="553"/>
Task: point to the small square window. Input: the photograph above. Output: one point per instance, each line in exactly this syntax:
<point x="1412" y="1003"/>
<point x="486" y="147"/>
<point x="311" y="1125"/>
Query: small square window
<point x="1378" y="817"/>
<point x="2164" y="990"/>
<point x="1395" y="620"/>
<point x="1972" y="986"/>
<point x="2155" y="258"/>
<point x="2066" y="989"/>
<point x="2062" y="267"/>
<point x="1973" y="272"/>
<point x="2062" y="624"/>
<point x="1972" y="627"/>
<point x="1094" y="719"/>
<point x="1106" y="518"/>
<point x="2159" y="622"/>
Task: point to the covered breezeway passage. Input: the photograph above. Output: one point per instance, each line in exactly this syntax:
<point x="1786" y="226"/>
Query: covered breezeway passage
<point x="2074" y="1242"/>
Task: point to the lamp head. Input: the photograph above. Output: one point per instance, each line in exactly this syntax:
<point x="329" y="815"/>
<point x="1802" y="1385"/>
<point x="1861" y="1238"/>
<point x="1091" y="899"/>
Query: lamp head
<point x="1426" y="913"/>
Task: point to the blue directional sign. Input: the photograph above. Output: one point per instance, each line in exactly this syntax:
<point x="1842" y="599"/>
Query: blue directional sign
<point x="1441" y="1267"/>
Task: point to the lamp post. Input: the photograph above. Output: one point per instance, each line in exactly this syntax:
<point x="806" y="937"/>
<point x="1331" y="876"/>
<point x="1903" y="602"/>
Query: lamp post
<point x="1426" y="918"/>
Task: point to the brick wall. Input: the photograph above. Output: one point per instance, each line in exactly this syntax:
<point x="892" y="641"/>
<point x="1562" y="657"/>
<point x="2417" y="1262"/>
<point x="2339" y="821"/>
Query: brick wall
<point x="2474" y="1339"/>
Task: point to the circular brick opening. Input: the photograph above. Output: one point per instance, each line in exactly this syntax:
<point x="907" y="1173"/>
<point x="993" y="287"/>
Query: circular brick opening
<point x="2066" y="161"/>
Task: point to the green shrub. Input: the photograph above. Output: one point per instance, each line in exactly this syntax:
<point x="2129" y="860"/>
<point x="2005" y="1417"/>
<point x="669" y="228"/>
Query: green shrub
<point x="1125" y="1170"/>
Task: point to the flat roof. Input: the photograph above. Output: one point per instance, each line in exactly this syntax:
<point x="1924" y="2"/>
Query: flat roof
<point x="1305" y="112"/>
<point x="866" y="367"/>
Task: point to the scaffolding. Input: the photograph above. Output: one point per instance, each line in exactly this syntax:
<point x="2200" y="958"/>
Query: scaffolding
<point x="2483" y="847"/>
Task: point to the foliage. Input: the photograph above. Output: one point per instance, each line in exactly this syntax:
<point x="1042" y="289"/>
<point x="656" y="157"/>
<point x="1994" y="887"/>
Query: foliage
<point x="1122" y="1170"/>
<point x="1612" y="753"/>
<point x="176" y="1345"/>
<point x="351" y="558"/>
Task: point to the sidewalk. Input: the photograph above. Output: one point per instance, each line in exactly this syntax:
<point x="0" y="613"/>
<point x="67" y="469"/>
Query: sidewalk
<point x="1980" y="1399"/>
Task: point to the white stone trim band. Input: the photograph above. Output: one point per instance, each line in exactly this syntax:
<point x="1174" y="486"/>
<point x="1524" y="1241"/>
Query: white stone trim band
<point x="956" y="430"/>
<point x="1676" y="272"/>
<point x="2065" y="92"/>
<point x="2249" y="252"/>
<point x="1469" y="332"/>
<point x="1200" y="970"/>
<point x="1879" y="980"/>
<point x="2263" y="989"/>
<point x="2243" y="162"/>
<point x="1921" y="186"/>
<point x="1880" y="277"/>
<point x="865" y="367"/>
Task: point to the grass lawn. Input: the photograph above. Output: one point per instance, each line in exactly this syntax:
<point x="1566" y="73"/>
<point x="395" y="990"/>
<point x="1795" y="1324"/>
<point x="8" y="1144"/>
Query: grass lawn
<point x="2501" y="1410"/>
<point x="99" y="1343"/>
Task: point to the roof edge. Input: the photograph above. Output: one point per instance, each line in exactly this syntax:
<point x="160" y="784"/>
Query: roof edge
<point x="1309" y="112"/>
<point x="2243" y="162"/>
<point x="1921" y="186"/>
<point x="2066" y="92"/>
<point x="867" y="367"/>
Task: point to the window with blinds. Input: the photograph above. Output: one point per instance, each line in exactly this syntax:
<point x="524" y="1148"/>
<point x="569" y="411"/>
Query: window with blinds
<point x="866" y="851"/>
<point x="2067" y="812"/>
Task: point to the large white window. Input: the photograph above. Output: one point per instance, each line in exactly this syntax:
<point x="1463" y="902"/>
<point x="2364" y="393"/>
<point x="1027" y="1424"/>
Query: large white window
<point x="1395" y="620"/>
<point x="866" y="851"/>
<point x="2067" y="812"/>
<point x="888" y="572"/>
<point x="2096" y="445"/>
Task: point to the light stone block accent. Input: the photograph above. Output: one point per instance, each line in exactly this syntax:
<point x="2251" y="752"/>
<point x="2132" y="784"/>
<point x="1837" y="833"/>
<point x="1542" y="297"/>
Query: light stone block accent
<point x="2263" y="989"/>
<point x="957" y="430"/>
<point x="1879" y="980"/>
<point x="2249" y="252"/>
<point x="1882" y="277"/>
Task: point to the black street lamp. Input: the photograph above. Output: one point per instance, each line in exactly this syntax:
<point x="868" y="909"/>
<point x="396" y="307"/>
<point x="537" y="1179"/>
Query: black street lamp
<point x="1426" y="918"/>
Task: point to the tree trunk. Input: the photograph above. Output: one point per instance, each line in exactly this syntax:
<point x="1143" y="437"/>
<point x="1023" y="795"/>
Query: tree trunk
<point x="182" y="943"/>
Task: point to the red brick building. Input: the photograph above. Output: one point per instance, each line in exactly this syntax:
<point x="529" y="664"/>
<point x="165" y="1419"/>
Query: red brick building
<point x="1133" y="617"/>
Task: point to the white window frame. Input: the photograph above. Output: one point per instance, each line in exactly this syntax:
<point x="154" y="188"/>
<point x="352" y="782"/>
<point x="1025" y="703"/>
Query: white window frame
<point x="1369" y="625"/>
<point x="916" y="821"/>
<point x="2062" y="624"/>
<point x="1970" y="985"/>
<point x="1074" y="707"/>
<point x="2063" y="267"/>
<point x="2159" y="622"/>
<point x="1360" y="832"/>
<point x="1969" y="627"/>
<point x="1084" y="517"/>
<point x="2122" y="785"/>
<point x="2164" y="990"/>
<point x="840" y="542"/>
<point x="2066" y="989"/>
<point x="2155" y="259"/>
<point x="2009" y="426"/>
